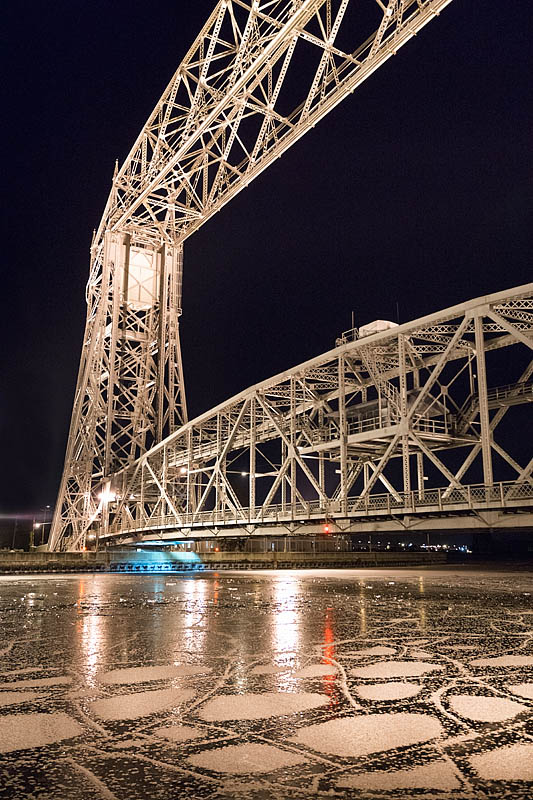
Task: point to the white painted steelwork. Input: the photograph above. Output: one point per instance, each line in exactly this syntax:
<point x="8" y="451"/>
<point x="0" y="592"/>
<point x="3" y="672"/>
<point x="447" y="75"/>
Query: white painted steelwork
<point x="412" y="408"/>
<point x="224" y="117"/>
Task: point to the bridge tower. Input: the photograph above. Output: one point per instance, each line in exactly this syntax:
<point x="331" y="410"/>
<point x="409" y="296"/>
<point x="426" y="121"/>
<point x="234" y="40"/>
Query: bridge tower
<point x="227" y="113"/>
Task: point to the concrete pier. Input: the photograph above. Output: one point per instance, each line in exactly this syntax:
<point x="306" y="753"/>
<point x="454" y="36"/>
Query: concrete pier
<point x="131" y="560"/>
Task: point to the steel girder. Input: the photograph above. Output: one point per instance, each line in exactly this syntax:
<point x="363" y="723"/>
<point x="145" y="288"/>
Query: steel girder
<point x="224" y="117"/>
<point x="312" y="443"/>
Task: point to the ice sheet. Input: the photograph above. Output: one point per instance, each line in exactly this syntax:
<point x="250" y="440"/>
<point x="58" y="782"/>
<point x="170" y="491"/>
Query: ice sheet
<point x="275" y="685"/>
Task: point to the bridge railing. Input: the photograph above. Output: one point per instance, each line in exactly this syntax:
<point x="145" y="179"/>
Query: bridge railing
<point x="514" y="390"/>
<point x="354" y="426"/>
<point x="442" y="499"/>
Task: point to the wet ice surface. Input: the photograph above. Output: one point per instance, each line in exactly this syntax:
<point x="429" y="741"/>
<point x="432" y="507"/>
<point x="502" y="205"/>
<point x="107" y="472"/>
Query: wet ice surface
<point x="346" y="684"/>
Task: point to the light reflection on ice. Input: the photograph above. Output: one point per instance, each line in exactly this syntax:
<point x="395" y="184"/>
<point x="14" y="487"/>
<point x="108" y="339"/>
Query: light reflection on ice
<point x="285" y="625"/>
<point x="286" y="622"/>
<point x="362" y="609"/>
<point x="421" y="604"/>
<point x="192" y="635"/>
<point x="91" y="643"/>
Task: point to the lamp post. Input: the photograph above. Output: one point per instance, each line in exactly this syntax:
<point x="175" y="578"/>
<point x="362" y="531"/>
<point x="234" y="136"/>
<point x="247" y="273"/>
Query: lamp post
<point x="45" y="522"/>
<point x="39" y="526"/>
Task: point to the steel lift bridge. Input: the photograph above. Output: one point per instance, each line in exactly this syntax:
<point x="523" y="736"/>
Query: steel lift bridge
<point x="391" y="429"/>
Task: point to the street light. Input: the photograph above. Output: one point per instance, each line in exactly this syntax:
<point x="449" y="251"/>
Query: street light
<point x="41" y="525"/>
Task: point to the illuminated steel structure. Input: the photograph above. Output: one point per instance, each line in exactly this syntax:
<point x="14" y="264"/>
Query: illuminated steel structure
<point x="405" y="410"/>
<point x="225" y="116"/>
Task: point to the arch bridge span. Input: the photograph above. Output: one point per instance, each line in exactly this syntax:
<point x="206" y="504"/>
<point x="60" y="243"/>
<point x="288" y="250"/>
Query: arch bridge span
<point x="396" y="430"/>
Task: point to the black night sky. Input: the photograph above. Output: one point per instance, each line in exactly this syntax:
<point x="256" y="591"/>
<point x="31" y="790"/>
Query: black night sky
<point x="415" y="191"/>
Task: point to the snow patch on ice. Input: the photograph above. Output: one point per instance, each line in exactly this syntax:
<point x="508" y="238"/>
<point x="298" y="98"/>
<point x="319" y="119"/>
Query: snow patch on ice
<point x="485" y="709"/>
<point x="13" y="698"/>
<point x="437" y="775"/>
<point x="523" y="690"/>
<point x="395" y="669"/>
<point x="503" y="661"/>
<point x="22" y="671"/>
<point x="179" y="733"/>
<point x="420" y="654"/>
<point x="512" y="763"/>
<point x="388" y="691"/>
<point x="23" y="731"/>
<point x="351" y="737"/>
<point x="143" y="674"/>
<point x="245" y="758"/>
<point x="139" y="704"/>
<point x="378" y="650"/>
<point x="260" y="706"/>
<point x="127" y="744"/>
<point x="61" y="680"/>
<point x="315" y="671"/>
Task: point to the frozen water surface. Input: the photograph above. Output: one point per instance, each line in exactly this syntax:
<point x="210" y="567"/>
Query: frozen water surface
<point x="346" y="684"/>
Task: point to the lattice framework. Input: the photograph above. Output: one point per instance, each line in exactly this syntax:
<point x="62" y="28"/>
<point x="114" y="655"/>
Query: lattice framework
<point x="258" y="76"/>
<point x="315" y="442"/>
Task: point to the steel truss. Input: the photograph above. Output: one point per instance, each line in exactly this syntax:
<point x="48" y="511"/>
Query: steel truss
<point x="410" y="410"/>
<point x="230" y="109"/>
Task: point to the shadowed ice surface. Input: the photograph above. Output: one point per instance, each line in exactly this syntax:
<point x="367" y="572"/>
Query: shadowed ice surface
<point x="346" y="684"/>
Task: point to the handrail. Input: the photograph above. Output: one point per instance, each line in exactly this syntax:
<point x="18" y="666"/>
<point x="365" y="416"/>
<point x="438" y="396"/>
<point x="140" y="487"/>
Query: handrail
<point x="469" y="497"/>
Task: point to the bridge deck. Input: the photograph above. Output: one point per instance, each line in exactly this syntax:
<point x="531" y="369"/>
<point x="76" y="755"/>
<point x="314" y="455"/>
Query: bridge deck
<point x="511" y="497"/>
